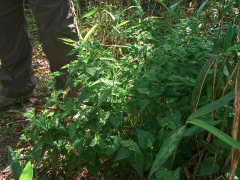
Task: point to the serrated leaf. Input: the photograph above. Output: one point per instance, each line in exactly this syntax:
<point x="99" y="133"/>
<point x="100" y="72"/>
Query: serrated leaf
<point x="212" y="106"/>
<point x="221" y="135"/>
<point x="143" y="137"/>
<point x="123" y="153"/>
<point x="104" y="95"/>
<point x="27" y="173"/>
<point x="174" y="116"/>
<point x="168" y="147"/>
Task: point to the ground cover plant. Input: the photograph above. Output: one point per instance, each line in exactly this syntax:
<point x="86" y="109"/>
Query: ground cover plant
<point x="160" y="96"/>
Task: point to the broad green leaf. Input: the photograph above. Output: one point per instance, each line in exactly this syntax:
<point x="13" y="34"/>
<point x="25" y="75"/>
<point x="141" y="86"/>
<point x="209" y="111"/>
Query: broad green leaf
<point x="217" y="45"/>
<point x="207" y="166"/>
<point x="165" y="174"/>
<point x="212" y="106"/>
<point x="221" y="135"/>
<point x="93" y="170"/>
<point x="227" y="9"/>
<point x="233" y="48"/>
<point x="196" y="129"/>
<point x="174" y="116"/>
<point x="14" y="164"/>
<point x="173" y="7"/>
<point x="90" y="32"/>
<point x="54" y="156"/>
<point x="27" y="173"/>
<point x="199" y="83"/>
<point x="104" y="95"/>
<point x="123" y="153"/>
<point x="137" y="161"/>
<point x="201" y="8"/>
<point x="90" y="13"/>
<point x="115" y="119"/>
<point x="143" y="137"/>
<point x="168" y="147"/>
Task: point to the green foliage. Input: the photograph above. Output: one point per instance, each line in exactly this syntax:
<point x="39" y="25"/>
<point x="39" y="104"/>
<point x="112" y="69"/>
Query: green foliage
<point x="140" y="97"/>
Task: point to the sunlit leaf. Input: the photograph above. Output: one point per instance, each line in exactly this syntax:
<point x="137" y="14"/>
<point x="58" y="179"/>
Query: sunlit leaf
<point x="90" y="32"/>
<point x="27" y="173"/>
<point x="90" y="13"/>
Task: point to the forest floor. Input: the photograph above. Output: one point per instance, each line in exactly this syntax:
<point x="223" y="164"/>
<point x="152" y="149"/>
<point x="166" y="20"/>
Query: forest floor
<point x="12" y="120"/>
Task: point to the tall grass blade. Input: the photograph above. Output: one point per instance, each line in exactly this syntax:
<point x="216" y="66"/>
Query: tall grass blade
<point x="212" y="106"/>
<point x="199" y="83"/>
<point x="201" y="8"/>
<point x="163" y="4"/>
<point x="90" y="32"/>
<point x="221" y="135"/>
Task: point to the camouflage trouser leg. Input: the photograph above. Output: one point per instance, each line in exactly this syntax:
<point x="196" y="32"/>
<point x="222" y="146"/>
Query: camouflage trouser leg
<point x="54" y="20"/>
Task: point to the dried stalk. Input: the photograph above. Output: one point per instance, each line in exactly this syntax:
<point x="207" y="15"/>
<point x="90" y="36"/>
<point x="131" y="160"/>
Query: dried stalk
<point x="235" y="152"/>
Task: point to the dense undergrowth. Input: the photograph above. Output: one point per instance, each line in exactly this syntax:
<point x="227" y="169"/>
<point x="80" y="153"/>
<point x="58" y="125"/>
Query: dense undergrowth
<point x="153" y="88"/>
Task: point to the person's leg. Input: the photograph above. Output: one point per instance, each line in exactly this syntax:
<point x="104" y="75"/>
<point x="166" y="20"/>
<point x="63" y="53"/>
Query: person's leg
<point x="54" y="19"/>
<point x="16" y="76"/>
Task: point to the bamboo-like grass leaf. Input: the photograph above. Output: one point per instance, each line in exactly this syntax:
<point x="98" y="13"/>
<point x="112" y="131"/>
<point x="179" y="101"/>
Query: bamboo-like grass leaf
<point x="229" y="37"/>
<point x="227" y="9"/>
<point x="163" y="4"/>
<point x="14" y="164"/>
<point x="201" y="8"/>
<point x="90" y="32"/>
<point x="233" y="48"/>
<point x="173" y="7"/>
<point x="27" y="173"/>
<point x="221" y="135"/>
<point x="168" y="147"/>
<point x="90" y="13"/>
<point x="199" y="83"/>
<point x="123" y="23"/>
<point x="212" y="106"/>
